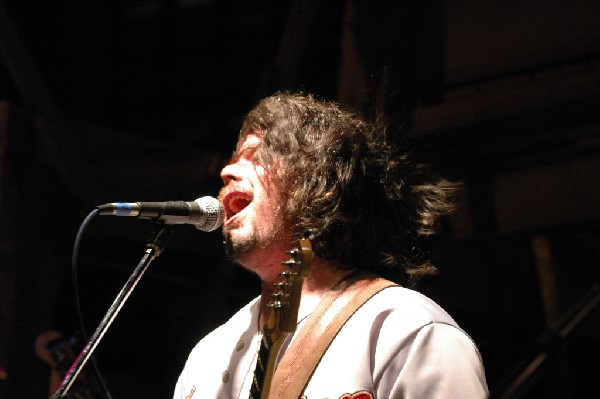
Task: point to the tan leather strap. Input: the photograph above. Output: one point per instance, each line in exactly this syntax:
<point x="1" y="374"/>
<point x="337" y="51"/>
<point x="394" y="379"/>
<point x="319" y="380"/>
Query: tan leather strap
<point x="303" y="355"/>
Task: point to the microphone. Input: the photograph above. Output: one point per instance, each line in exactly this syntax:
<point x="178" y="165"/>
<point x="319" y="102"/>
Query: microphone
<point x="205" y="213"/>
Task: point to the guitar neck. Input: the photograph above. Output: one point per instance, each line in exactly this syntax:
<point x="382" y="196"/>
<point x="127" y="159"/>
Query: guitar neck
<point x="283" y="317"/>
<point x="265" y="364"/>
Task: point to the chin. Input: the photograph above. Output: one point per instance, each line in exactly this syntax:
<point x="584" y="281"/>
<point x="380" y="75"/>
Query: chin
<point x="237" y="246"/>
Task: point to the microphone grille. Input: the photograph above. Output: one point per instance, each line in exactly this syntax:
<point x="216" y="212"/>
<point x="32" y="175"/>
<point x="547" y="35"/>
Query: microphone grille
<point x="213" y="211"/>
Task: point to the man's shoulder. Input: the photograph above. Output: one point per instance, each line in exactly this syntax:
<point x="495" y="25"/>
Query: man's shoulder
<point x="396" y="316"/>
<point x="406" y="306"/>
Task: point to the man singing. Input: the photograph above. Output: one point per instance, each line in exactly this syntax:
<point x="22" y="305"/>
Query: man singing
<point x="304" y="165"/>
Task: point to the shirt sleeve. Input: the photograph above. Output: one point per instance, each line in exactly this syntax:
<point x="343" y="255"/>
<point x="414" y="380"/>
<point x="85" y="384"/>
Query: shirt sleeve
<point x="440" y="361"/>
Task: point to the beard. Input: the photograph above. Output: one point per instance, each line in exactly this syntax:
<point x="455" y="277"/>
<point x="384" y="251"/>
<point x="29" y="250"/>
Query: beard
<point x="252" y="244"/>
<point x="236" y="247"/>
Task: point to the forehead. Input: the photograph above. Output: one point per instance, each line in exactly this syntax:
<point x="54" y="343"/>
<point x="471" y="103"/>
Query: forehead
<point x="247" y="145"/>
<point x="251" y="140"/>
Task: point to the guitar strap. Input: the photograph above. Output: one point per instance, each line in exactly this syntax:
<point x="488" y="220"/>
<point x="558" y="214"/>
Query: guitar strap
<point x="304" y="353"/>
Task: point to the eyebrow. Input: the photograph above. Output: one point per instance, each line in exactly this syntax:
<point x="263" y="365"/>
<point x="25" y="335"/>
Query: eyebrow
<point x="241" y="151"/>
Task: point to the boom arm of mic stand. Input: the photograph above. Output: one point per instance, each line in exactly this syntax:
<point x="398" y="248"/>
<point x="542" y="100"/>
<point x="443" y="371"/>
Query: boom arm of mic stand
<point x="154" y="247"/>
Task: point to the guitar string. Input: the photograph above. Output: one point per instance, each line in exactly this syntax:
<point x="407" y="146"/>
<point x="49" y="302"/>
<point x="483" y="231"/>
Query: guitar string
<point x="252" y="366"/>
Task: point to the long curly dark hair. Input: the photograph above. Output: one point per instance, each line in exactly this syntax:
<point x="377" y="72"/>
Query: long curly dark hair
<point x="366" y="203"/>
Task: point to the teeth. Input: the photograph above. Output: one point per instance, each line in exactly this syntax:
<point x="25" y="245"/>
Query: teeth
<point x="237" y="202"/>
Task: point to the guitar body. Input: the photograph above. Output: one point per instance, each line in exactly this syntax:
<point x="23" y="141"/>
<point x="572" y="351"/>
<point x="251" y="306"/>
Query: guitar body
<point x="56" y="350"/>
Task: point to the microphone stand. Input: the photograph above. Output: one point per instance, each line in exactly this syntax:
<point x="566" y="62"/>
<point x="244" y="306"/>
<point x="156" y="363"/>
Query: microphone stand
<point x="154" y="247"/>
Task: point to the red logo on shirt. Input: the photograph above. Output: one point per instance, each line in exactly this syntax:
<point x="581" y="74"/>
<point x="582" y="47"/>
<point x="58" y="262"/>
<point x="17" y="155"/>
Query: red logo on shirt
<point x="355" y="395"/>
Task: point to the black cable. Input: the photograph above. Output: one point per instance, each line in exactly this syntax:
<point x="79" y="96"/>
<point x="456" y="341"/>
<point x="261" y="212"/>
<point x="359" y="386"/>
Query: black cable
<point x="74" y="261"/>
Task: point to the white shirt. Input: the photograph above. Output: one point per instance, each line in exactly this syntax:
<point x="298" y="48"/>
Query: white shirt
<point x="400" y="344"/>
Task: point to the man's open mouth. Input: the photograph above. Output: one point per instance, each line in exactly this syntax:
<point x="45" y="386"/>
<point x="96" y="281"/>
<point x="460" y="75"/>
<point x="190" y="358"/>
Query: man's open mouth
<point x="235" y="202"/>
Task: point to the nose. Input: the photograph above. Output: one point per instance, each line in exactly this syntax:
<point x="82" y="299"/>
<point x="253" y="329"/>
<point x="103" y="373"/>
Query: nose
<point x="231" y="173"/>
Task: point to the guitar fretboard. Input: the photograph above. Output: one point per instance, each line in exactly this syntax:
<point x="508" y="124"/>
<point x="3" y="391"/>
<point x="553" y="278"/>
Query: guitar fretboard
<point x="261" y="365"/>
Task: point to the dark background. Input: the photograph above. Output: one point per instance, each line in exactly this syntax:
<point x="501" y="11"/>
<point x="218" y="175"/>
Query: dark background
<point x="141" y="100"/>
